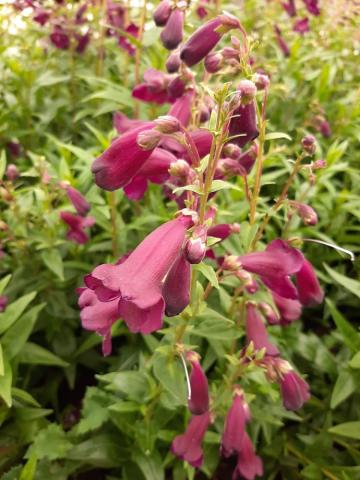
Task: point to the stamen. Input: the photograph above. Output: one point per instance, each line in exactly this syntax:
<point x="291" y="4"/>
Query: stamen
<point x="332" y="245"/>
<point x="186" y="375"/>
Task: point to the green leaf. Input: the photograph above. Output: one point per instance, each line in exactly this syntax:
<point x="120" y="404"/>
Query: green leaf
<point x="350" y="335"/>
<point x="170" y="373"/>
<point x="53" y="260"/>
<point x="355" y="361"/>
<point x="133" y="384"/>
<point x="103" y="451"/>
<point x="28" y="472"/>
<point x="277" y="135"/>
<point x="5" y="383"/>
<point x="208" y="273"/>
<point x="14" y="311"/>
<point x="2" y="163"/>
<point x="190" y="188"/>
<point x="347" y="429"/>
<point x="223" y="185"/>
<point x="50" y="443"/>
<point x="352" y="285"/>
<point x="26" y="414"/>
<point x="345" y="385"/>
<point x="4" y="282"/>
<point x="16" y="336"/>
<point x="2" y="369"/>
<point x="24" y="397"/>
<point x="150" y="465"/>
<point x="35" y="355"/>
<point x="94" y="412"/>
<point x="215" y="326"/>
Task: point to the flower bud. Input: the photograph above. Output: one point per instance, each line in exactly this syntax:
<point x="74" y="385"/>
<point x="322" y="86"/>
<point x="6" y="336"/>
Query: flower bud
<point x="172" y="34"/>
<point x="176" y="87"/>
<point x="195" y="250"/>
<point x="167" y="124"/>
<point x="262" y="81"/>
<point x="199" y="400"/>
<point x="318" y="164"/>
<point x="173" y="62"/>
<point x="230" y="53"/>
<point x="294" y="390"/>
<point x="213" y="62"/>
<point x="148" y="139"/>
<point x="231" y="263"/>
<point x="305" y="212"/>
<point x="162" y="13"/>
<point x="247" y="89"/>
<point x="12" y="172"/>
<point x="180" y="169"/>
<point x="269" y="313"/>
<point x="232" y="150"/>
<point x="205" y="113"/>
<point x="309" y="144"/>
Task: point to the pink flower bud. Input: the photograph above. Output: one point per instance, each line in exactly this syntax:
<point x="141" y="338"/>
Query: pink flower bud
<point x="301" y="26"/>
<point x="79" y="202"/>
<point x="148" y="139"/>
<point x="232" y="150"/>
<point x="309" y="144"/>
<point x="167" y="124"/>
<point x="162" y="13"/>
<point x="12" y="172"/>
<point x="213" y="62"/>
<point x="247" y="90"/>
<point x="305" y="212"/>
<point x="262" y="81"/>
<point x="294" y="390"/>
<point x="256" y="331"/>
<point x="243" y="125"/>
<point x="199" y="400"/>
<point x="318" y="164"/>
<point x="172" y="34"/>
<point x="173" y="62"/>
<point x="195" y="250"/>
<point x="180" y="169"/>
<point x="269" y="314"/>
<point x="231" y="263"/>
<point x="176" y="87"/>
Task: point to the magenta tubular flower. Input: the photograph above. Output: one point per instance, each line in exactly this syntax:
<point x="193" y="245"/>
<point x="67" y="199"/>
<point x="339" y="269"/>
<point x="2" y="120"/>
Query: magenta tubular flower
<point x="199" y="401"/>
<point x="274" y="266"/>
<point x="249" y="465"/>
<point x="80" y="12"/>
<point x="305" y="212"/>
<point x="243" y="125"/>
<point x="188" y="445"/>
<point x="289" y="310"/>
<point x="205" y="38"/>
<point x="302" y="26"/>
<point x="121" y="161"/>
<point x="59" y="38"/>
<point x="162" y="13"/>
<point x="3" y="303"/>
<point x="290" y="8"/>
<point x="281" y="42"/>
<point x="124" y="42"/>
<point x="41" y="16"/>
<point x="256" y="331"/>
<point x="234" y="430"/>
<point x="310" y="291"/>
<point x="247" y="159"/>
<point x="81" y="205"/>
<point x="222" y="231"/>
<point x="181" y="108"/>
<point x="82" y="42"/>
<point x="176" y="288"/>
<point x="312" y="7"/>
<point x="137" y="282"/>
<point x="98" y="316"/>
<point x="77" y="225"/>
<point x="154" y="88"/>
<point x="115" y="14"/>
<point x="294" y="390"/>
<point x="122" y="123"/>
<point x="172" y="34"/>
<point x="12" y="172"/>
<point x="173" y="62"/>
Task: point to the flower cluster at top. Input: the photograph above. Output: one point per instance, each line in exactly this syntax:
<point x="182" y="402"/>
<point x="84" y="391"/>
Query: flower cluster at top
<point x="154" y="279"/>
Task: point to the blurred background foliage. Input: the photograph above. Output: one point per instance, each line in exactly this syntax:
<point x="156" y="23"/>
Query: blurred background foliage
<point x="67" y="412"/>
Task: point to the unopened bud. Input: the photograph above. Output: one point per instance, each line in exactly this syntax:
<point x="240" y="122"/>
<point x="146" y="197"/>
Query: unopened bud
<point x="148" y="139"/>
<point x="232" y="150"/>
<point x="318" y="164"/>
<point x="305" y="212"/>
<point x="235" y="228"/>
<point x="213" y="62"/>
<point x="230" y="53"/>
<point x="231" y="263"/>
<point x="269" y="313"/>
<point x="12" y="172"/>
<point x="229" y="20"/>
<point x="309" y="144"/>
<point x="167" y="124"/>
<point x="205" y="113"/>
<point x="162" y="13"/>
<point x="173" y="62"/>
<point x="235" y="42"/>
<point x="195" y="250"/>
<point x="262" y="81"/>
<point x="247" y="89"/>
<point x="180" y="168"/>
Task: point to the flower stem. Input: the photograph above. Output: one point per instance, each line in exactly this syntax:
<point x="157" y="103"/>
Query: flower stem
<point x="259" y="165"/>
<point x="138" y="53"/>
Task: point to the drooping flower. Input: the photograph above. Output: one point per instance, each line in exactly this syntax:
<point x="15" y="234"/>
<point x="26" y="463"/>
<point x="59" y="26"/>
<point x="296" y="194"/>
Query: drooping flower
<point x="176" y="288"/>
<point x="60" y="38"/>
<point x="81" y="205"/>
<point x="310" y="291"/>
<point x="77" y="226"/>
<point x="41" y="16"/>
<point x="312" y="7"/>
<point x="154" y="87"/>
<point x="249" y="465"/>
<point x="121" y="161"/>
<point x="98" y="316"/>
<point x="172" y="34"/>
<point x="188" y="445"/>
<point x="137" y="282"/>
<point x="289" y="310"/>
<point x="124" y="42"/>
<point x="199" y="400"/>
<point x="302" y="26"/>
<point x="256" y="331"/>
<point x="235" y="422"/>
<point x="290" y="8"/>
<point x="173" y="62"/>
<point x="82" y="42"/>
<point x="281" y="42"/>
<point x="205" y="38"/>
<point x="243" y="125"/>
<point x="162" y="13"/>
<point x="305" y="212"/>
<point x="294" y="389"/>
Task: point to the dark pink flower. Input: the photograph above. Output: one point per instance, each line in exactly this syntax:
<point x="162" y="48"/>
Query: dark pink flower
<point x="235" y="422"/>
<point x="81" y="205"/>
<point x="294" y="390"/>
<point x="248" y="465"/>
<point x="154" y="88"/>
<point x="77" y="225"/>
<point x="188" y="445"/>
<point x="115" y="14"/>
<point x="121" y="161"/>
<point x="176" y="288"/>
<point x="122" y="123"/>
<point x="289" y="310"/>
<point x="173" y="62"/>
<point x="172" y="34"/>
<point x="256" y="331"/>
<point x="302" y="26"/>
<point x="82" y="42"/>
<point x="162" y="13"/>
<point x="274" y="265"/>
<point x="14" y="148"/>
<point x="325" y="129"/>
<point x="312" y="7"/>
<point x="137" y="282"/>
<point x="243" y="124"/>
<point x="41" y="16"/>
<point x="199" y="400"/>
<point x="181" y="108"/>
<point x="125" y="43"/>
<point x="281" y="42"/>
<point x="247" y="159"/>
<point x="3" y="303"/>
<point x="12" y="172"/>
<point x="290" y="7"/>
<point x="310" y="291"/>
<point x="305" y="212"/>
<point x="60" y="38"/>
<point x="205" y="38"/>
<point x="80" y="12"/>
<point x="98" y="316"/>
